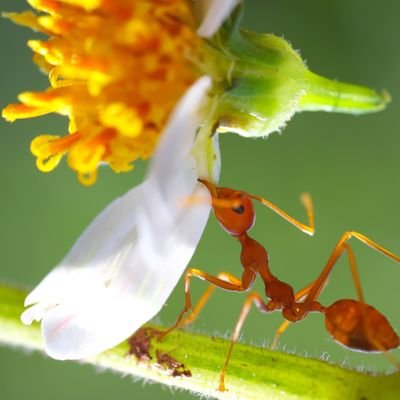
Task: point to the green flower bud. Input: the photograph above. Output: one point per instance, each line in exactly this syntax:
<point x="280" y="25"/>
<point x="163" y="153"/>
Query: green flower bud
<point x="268" y="82"/>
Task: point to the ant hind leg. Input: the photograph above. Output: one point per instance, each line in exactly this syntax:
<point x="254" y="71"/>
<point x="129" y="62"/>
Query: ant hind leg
<point x="354" y="323"/>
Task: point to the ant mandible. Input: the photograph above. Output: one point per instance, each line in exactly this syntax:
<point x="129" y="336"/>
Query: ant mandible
<point x="352" y="323"/>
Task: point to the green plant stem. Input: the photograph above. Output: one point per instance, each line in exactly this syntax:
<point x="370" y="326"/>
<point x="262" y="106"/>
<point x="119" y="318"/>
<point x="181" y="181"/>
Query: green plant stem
<point x="254" y="373"/>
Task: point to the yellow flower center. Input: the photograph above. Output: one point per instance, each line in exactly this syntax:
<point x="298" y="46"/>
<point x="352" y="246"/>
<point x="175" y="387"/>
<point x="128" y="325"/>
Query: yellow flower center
<point x="116" y="70"/>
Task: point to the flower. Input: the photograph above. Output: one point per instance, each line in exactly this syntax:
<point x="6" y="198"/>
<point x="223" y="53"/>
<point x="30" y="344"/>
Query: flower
<point x="116" y="70"/>
<point x="124" y="266"/>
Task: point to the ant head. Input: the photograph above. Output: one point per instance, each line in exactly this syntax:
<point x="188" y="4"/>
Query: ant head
<point x="233" y="209"/>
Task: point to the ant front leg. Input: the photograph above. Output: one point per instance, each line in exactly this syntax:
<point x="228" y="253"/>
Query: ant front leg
<point x="231" y="284"/>
<point x="225" y="276"/>
<point x="306" y="200"/>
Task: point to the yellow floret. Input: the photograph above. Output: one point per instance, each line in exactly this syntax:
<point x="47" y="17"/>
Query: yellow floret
<point x="116" y="69"/>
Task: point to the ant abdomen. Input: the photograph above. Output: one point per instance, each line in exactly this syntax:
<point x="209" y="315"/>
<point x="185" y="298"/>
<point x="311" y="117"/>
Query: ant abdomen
<point x="359" y="326"/>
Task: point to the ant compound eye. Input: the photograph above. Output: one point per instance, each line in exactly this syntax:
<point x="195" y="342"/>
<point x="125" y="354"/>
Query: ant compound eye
<point x="238" y="209"/>
<point x="238" y="203"/>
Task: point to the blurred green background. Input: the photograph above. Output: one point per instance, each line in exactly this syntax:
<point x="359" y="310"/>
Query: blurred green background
<point x="349" y="164"/>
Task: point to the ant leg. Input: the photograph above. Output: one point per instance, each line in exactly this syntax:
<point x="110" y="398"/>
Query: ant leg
<point x="304" y="292"/>
<point x="282" y="328"/>
<point x="306" y="200"/>
<point x="337" y="252"/>
<point x="235" y="285"/>
<point x="250" y="299"/>
<point x="353" y="323"/>
<point x="354" y="272"/>
<point x="206" y="296"/>
<point x="278" y="333"/>
<point x="313" y="290"/>
<point x="392" y="359"/>
<point x="364" y="307"/>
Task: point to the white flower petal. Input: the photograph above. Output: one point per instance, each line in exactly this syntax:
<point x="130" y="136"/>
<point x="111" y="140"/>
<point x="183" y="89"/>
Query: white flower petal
<point x="173" y="175"/>
<point x="96" y="246"/>
<point x="214" y="13"/>
<point x="125" y="265"/>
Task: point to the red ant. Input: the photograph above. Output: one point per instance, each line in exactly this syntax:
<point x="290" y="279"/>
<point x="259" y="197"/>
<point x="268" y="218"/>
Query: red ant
<point x="353" y="323"/>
